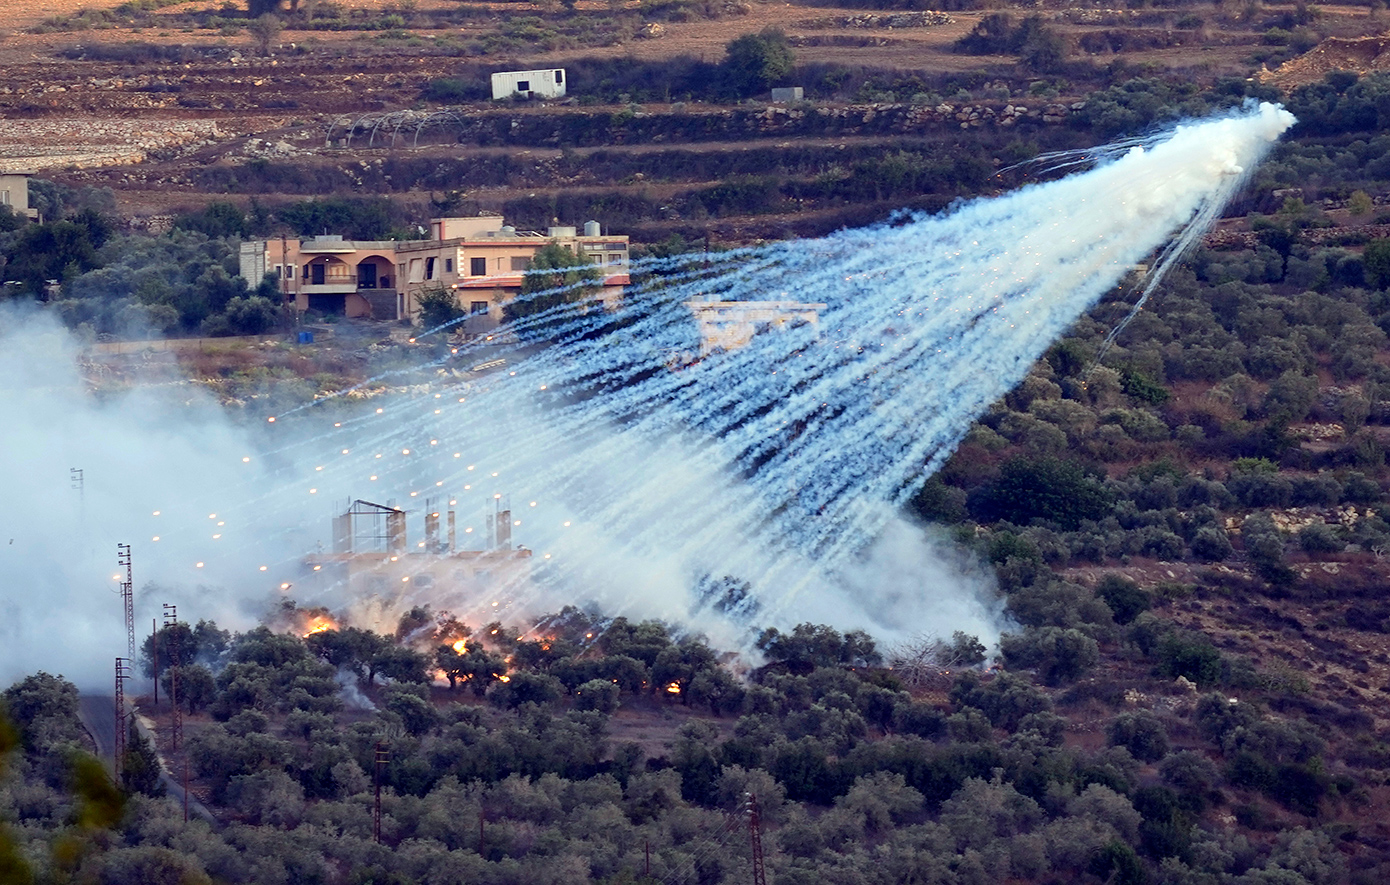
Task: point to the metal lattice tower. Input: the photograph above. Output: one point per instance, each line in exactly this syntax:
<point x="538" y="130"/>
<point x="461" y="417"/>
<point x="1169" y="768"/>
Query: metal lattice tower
<point x="755" y="837"/>
<point x="127" y="597"/>
<point x="171" y="619"/>
<point x="118" y="747"/>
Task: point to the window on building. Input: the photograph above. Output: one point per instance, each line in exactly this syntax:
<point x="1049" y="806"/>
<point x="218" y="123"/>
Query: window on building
<point x="559" y="76"/>
<point x="477" y="267"/>
<point x="400" y="305"/>
<point x="477" y="308"/>
<point x="448" y="265"/>
<point x="417" y="270"/>
<point x="4" y="198"/>
<point x="615" y="259"/>
<point x="519" y="263"/>
<point x="279" y="271"/>
<point x="290" y="271"/>
<point x="523" y="85"/>
<point x="429" y="268"/>
<point x="423" y="582"/>
<point x="306" y="271"/>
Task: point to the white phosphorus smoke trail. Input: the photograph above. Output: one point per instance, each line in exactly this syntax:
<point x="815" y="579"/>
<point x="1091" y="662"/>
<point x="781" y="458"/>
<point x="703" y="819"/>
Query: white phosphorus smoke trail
<point x="776" y="464"/>
<point x="757" y="486"/>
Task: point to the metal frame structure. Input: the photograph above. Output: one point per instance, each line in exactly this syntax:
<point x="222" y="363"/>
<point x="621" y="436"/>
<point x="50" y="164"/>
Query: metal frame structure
<point x="379" y="122"/>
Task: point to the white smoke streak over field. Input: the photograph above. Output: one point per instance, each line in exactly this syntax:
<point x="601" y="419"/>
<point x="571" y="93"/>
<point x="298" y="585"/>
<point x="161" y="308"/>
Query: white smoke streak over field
<point x="643" y="481"/>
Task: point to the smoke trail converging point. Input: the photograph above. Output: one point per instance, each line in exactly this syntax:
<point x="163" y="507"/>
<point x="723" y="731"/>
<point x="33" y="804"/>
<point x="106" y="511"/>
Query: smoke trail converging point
<point x="757" y="486"/>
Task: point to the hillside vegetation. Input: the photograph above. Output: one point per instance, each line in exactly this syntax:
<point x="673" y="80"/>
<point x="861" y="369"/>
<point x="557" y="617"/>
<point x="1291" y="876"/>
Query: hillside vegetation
<point x="1188" y="530"/>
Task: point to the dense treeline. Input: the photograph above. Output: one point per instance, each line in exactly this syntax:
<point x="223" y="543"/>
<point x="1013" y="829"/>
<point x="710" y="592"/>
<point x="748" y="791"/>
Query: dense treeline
<point x="104" y="282"/>
<point x="854" y="774"/>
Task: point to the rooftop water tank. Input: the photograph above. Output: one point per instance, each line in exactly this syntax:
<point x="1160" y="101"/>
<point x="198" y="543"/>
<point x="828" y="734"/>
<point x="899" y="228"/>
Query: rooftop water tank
<point x="561" y="231"/>
<point x="592" y="229"/>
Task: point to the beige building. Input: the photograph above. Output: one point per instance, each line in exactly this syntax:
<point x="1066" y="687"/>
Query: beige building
<point x="729" y="325"/>
<point x="14" y="193"/>
<point x="372" y="555"/>
<point x="482" y="261"/>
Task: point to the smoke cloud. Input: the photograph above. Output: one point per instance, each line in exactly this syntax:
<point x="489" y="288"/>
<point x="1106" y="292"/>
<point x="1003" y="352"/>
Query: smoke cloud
<point x="754" y="487"/>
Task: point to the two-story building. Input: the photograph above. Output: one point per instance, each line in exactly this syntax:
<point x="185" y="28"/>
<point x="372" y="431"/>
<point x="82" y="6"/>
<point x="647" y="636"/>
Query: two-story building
<point x="482" y="261"/>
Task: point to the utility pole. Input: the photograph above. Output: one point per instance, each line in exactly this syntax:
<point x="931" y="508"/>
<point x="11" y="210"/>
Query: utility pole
<point x="171" y="619"/>
<point x="118" y="746"/>
<point x="755" y="838"/>
<point x="154" y="653"/>
<point x="75" y="476"/>
<point x="378" y="762"/>
<point x="185" y="789"/>
<point x="127" y="597"/>
<point x="284" y="269"/>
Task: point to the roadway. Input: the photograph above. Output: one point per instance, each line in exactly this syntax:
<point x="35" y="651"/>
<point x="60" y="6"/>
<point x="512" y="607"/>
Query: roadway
<point x="98" y="715"/>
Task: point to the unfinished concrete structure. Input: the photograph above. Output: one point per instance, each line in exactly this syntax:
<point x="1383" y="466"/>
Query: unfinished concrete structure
<point x="372" y="554"/>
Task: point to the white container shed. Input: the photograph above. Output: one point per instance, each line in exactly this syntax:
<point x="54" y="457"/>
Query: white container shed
<point x="549" y="83"/>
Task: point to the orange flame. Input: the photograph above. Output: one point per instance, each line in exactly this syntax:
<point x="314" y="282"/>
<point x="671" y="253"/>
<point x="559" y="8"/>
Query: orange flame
<point x="461" y="646"/>
<point x="673" y="688"/>
<point x="318" y="624"/>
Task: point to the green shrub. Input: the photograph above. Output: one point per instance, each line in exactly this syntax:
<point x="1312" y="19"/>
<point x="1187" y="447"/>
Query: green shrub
<point x="1059" y="655"/>
<point x="1064" y="492"/>
<point x="1319" y="537"/>
<point x="1191" y="655"/>
<point x="1141" y="733"/>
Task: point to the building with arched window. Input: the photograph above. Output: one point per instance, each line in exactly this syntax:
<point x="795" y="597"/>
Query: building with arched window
<point x="481" y="261"/>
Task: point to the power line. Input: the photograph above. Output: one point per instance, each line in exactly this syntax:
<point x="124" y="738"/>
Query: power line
<point x="118" y="745"/>
<point x="379" y="760"/>
<point x="171" y="622"/>
<point x="755" y="838"/>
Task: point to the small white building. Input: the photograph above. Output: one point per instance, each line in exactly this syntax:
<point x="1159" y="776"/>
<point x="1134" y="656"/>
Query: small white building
<point x="729" y="325"/>
<point x="14" y="193"/>
<point x="549" y="83"/>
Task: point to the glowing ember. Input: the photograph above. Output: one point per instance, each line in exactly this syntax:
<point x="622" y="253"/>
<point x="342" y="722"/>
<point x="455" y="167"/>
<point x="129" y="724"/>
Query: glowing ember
<point x="318" y="624"/>
<point x="673" y="688"/>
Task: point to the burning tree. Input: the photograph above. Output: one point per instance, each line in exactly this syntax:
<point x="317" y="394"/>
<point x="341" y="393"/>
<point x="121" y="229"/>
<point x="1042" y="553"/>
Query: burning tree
<point x="928" y="658"/>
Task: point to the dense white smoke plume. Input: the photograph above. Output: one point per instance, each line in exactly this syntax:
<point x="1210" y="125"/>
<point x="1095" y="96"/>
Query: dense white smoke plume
<point x="754" y="487"/>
